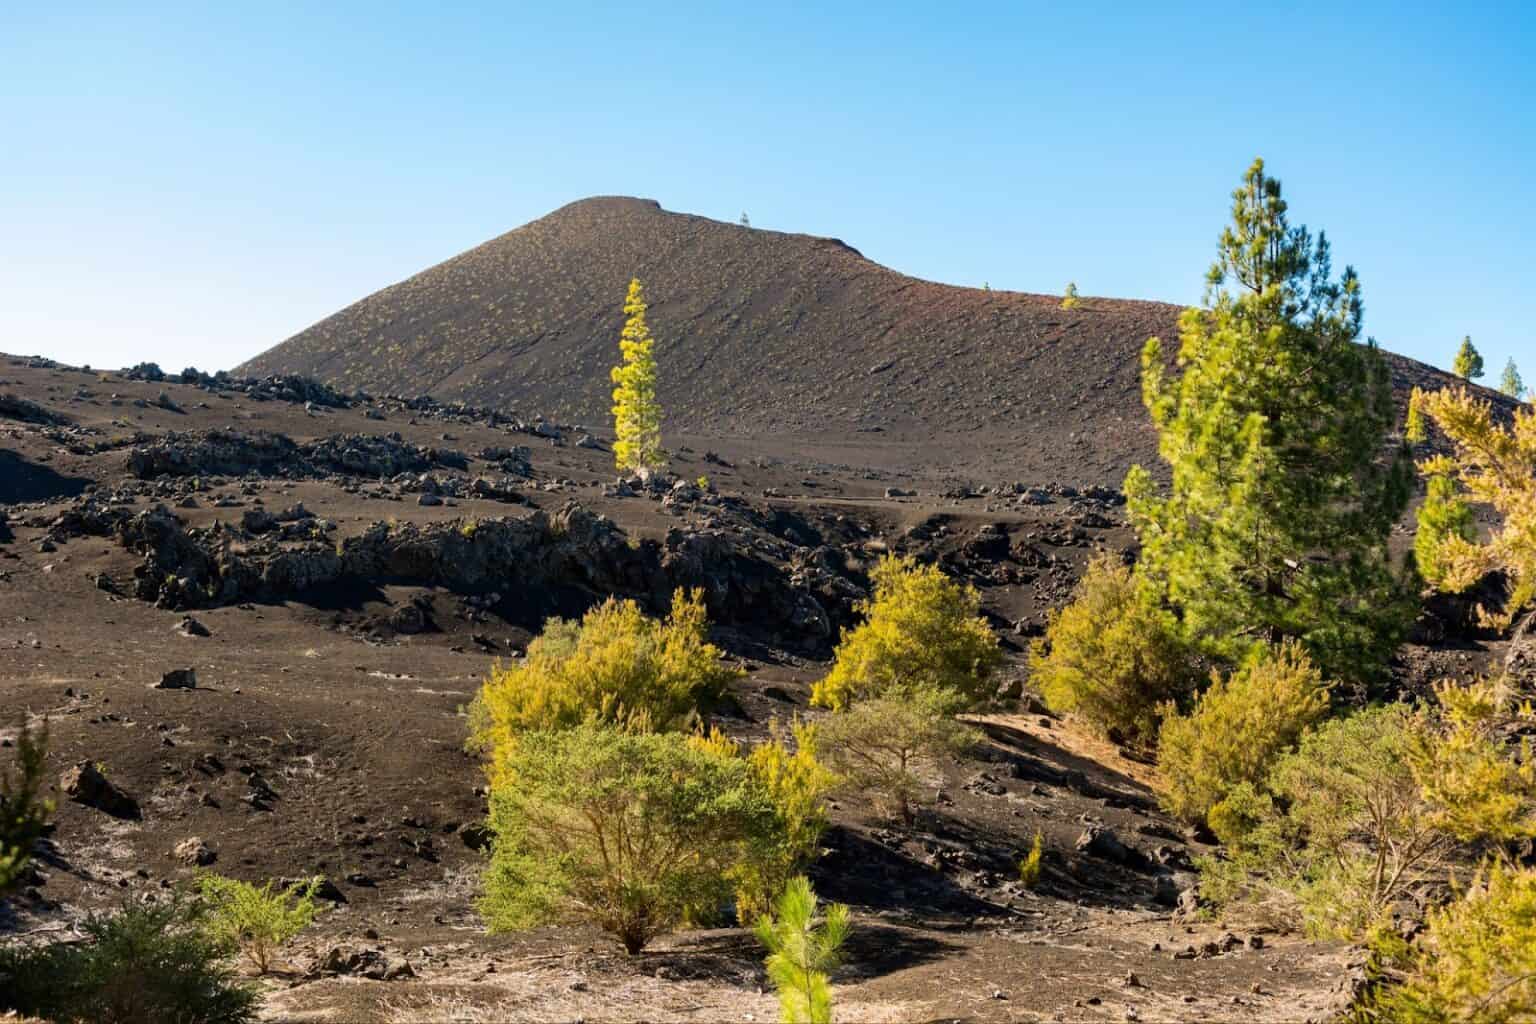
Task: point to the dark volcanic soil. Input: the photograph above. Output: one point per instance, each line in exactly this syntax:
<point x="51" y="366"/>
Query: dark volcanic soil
<point x="325" y="732"/>
<point x="785" y="342"/>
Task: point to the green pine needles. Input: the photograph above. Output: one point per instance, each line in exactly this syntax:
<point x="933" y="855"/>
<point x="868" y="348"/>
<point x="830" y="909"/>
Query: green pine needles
<point x="1285" y="485"/>
<point x="24" y="811"/>
<point x="1510" y="382"/>
<point x="1469" y="362"/>
<point x="801" y="951"/>
<point x="257" y="919"/>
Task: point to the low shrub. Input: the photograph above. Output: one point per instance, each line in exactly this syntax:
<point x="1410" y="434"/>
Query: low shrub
<point x="145" y="964"/>
<point x="257" y="920"/>
<point x="801" y="950"/>
<point x="921" y="628"/>
<point x="616" y="665"/>
<point x="1476" y="960"/>
<point x="797" y="783"/>
<point x="1111" y="658"/>
<point x="881" y="746"/>
<point x="1237" y="728"/>
<point x="632" y="832"/>
<point x="1382" y="805"/>
<point x="1030" y="868"/>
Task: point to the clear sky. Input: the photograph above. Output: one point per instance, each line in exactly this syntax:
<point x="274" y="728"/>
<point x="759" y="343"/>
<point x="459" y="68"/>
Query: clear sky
<point x="193" y="183"/>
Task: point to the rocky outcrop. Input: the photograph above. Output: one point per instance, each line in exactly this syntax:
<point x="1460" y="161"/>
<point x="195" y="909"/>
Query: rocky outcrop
<point x="214" y="453"/>
<point x="748" y="580"/>
<point x="14" y="408"/>
<point x="233" y="453"/>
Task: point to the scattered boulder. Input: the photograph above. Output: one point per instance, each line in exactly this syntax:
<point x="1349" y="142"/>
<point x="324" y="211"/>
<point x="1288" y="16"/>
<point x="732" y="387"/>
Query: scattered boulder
<point x="258" y="521"/>
<point x="374" y="964"/>
<point x="476" y="836"/>
<point x="325" y="889"/>
<point x="408" y="619"/>
<point x="193" y="852"/>
<point x="188" y="626"/>
<point x="178" y="679"/>
<point x="1104" y="844"/>
<point x="84" y="783"/>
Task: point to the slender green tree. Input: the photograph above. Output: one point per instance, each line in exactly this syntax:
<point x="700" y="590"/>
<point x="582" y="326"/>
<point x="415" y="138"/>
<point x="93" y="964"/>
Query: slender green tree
<point x="636" y="413"/>
<point x="1510" y="382"/>
<point x="1469" y="362"/>
<point x="801" y="952"/>
<point x="1069" y="298"/>
<point x="1285" y="486"/>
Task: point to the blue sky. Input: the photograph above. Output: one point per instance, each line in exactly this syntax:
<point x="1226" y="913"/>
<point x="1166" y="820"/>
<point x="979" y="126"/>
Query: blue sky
<point x="191" y="184"/>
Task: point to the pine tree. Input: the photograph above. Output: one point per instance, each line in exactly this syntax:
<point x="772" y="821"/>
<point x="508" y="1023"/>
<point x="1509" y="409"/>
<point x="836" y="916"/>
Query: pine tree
<point x="24" y="811"/>
<point x="636" y="414"/>
<point x="800" y="952"/>
<point x="1277" y="521"/>
<point x="1469" y="363"/>
<point x="744" y="221"/>
<point x="1510" y="382"/>
<point x="1069" y="298"/>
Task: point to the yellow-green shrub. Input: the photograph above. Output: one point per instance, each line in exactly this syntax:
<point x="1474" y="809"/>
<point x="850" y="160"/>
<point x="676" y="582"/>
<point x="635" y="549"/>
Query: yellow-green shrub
<point x="256" y="919"/>
<point x="1477" y="959"/>
<point x="796" y="783"/>
<point x="617" y="665"/>
<point x="921" y="628"/>
<point x="1030" y="867"/>
<point x="633" y="832"/>
<point x="1495" y="465"/>
<point x="1372" y="808"/>
<point x="1110" y="657"/>
<point x="1237" y="728"/>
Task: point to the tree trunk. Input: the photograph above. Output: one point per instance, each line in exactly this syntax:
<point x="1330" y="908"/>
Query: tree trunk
<point x="1520" y="658"/>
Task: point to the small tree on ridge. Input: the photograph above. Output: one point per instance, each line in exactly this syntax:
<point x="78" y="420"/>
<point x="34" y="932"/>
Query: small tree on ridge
<point x="1469" y="362"/>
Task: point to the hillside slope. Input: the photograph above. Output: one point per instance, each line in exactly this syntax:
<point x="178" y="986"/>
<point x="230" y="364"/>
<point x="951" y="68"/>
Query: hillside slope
<point x="760" y="334"/>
